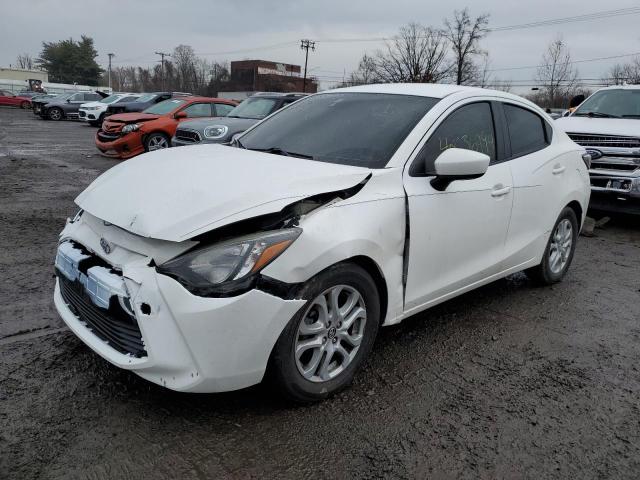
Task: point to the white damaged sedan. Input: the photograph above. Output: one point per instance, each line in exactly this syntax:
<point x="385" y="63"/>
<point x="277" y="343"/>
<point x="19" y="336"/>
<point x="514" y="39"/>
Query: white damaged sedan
<point x="209" y="268"/>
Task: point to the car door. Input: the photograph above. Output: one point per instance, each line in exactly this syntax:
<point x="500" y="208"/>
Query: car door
<point x="456" y="236"/>
<point x="8" y="98"/>
<point x="198" y="110"/>
<point x="73" y="103"/>
<point x="538" y="176"/>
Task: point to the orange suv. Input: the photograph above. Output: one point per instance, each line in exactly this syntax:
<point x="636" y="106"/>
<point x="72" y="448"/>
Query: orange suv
<point x="126" y="135"/>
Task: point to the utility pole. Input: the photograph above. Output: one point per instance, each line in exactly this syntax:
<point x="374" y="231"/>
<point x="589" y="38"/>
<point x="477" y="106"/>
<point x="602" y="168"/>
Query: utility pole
<point x="306" y="45"/>
<point x="162" y="55"/>
<point x="111" y="55"/>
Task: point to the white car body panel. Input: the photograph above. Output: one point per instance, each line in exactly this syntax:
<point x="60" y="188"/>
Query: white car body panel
<point x="149" y="209"/>
<point x="225" y="185"/>
<point x="98" y="108"/>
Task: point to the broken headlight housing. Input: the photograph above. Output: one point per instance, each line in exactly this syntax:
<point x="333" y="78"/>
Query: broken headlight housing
<point x="229" y="267"/>
<point x="132" y="127"/>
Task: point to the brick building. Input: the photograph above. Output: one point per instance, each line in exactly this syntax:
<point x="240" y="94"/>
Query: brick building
<point x="249" y="76"/>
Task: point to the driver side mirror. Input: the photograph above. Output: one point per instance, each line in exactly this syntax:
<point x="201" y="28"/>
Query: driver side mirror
<point x="180" y="115"/>
<point x="458" y="164"/>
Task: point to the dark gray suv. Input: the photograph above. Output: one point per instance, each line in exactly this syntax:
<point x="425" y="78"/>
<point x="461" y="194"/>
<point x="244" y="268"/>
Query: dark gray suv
<point x="221" y="129"/>
<point x="67" y="105"/>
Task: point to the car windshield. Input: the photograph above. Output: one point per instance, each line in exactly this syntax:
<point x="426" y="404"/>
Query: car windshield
<point x="257" y="108"/>
<point x="359" y="129"/>
<point x="614" y="103"/>
<point x="110" y="99"/>
<point x="127" y="99"/>
<point x="147" y="97"/>
<point x="165" y="106"/>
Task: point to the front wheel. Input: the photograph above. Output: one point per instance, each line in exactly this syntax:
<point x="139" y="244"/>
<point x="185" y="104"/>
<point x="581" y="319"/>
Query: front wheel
<point x="326" y="342"/>
<point x="559" y="251"/>
<point x="55" y="113"/>
<point x="156" y="141"/>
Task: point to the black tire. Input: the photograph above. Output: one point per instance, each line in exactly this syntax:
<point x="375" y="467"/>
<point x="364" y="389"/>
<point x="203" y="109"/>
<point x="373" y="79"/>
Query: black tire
<point x="24" y="105"/>
<point x="55" y="113"/>
<point x="543" y="274"/>
<point x="155" y="137"/>
<point x="283" y="371"/>
<point x="98" y="122"/>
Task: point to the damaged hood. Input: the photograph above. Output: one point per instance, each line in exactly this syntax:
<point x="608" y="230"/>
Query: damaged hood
<point x="132" y="117"/>
<point x="178" y="193"/>
<point x="602" y="126"/>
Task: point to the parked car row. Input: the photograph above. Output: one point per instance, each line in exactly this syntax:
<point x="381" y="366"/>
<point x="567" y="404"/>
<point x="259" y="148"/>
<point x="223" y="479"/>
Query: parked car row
<point x="607" y="124"/>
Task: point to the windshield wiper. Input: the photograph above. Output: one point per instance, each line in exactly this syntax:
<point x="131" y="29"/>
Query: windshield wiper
<point x="280" y="151"/>
<point x="630" y="116"/>
<point x="596" y="114"/>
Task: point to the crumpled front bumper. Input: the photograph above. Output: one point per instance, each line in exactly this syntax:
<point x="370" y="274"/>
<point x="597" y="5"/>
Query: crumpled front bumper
<point x="193" y="344"/>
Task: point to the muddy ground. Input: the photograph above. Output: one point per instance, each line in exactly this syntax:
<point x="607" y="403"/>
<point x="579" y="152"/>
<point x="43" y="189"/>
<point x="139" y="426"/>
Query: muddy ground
<point x="509" y="381"/>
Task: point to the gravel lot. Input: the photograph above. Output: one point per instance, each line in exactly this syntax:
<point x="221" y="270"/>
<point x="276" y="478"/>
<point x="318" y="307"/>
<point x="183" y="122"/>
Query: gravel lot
<point x="509" y="381"/>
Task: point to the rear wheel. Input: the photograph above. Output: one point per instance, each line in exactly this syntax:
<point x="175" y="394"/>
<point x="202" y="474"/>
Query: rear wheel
<point x="24" y="105"/>
<point x="559" y="251"/>
<point x="55" y="113"/>
<point x="325" y="344"/>
<point x="156" y="141"/>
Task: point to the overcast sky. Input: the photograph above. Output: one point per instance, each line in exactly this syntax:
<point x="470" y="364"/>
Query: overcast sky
<point x="135" y="29"/>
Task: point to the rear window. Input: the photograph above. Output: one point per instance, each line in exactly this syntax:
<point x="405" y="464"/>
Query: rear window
<point x="527" y="130"/>
<point x="165" y="107"/>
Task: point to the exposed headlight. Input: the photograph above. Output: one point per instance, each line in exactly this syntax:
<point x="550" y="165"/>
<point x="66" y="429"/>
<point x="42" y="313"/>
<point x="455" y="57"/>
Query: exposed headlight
<point x="132" y="127"/>
<point x="229" y="266"/>
<point x="89" y="108"/>
<point x="216" y="131"/>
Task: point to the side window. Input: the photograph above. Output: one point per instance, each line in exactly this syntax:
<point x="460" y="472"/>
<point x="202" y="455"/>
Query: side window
<point x="469" y="127"/>
<point x="527" y="130"/>
<point x="222" y="109"/>
<point x="198" y="110"/>
<point x="92" y="96"/>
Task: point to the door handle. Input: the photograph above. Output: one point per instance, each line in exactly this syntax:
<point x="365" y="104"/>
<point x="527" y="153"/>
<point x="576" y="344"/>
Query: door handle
<point x="499" y="191"/>
<point x="558" y="169"/>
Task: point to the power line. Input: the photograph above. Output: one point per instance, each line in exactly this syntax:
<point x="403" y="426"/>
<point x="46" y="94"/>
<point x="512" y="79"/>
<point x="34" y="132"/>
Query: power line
<point x="541" y="23"/>
<point x="572" y="62"/>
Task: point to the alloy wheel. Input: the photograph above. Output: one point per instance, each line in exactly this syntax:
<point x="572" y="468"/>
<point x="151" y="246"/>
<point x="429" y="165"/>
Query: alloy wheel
<point x="561" y="245"/>
<point x="157" y="142"/>
<point x="330" y="333"/>
<point x="55" y="114"/>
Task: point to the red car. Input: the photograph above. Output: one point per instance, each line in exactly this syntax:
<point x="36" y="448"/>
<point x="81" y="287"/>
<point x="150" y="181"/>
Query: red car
<point x="8" y="98"/>
<point x="126" y="135"/>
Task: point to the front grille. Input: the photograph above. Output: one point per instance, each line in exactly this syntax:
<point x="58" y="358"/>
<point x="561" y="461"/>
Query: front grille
<point x="615" y="141"/>
<point x="628" y="167"/>
<point x="113" y="325"/>
<point x="107" y="137"/>
<point x="188" y="136"/>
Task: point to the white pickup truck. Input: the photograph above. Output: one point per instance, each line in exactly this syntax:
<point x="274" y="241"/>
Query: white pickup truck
<point x="607" y="124"/>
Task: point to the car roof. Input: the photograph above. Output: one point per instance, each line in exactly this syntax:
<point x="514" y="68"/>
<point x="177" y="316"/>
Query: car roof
<point x="194" y="99"/>
<point x="434" y="90"/>
<point x="620" y="87"/>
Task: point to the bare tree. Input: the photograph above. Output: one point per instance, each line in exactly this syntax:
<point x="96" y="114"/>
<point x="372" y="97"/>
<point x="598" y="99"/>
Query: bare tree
<point x="628" y="73"/>
<point x="557" y="76"/>
<point x="464" y="34"/>
<point x="615" y="76"/>
<point x="366" y="72"/>
<point x="25" y="61"/>
<point x="416" y="54"/>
